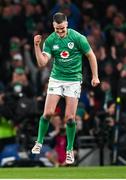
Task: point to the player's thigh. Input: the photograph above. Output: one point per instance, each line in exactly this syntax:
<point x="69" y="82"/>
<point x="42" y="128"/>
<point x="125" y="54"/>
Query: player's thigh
<point x="71" y="107"/>
<point x="50" y="104"/>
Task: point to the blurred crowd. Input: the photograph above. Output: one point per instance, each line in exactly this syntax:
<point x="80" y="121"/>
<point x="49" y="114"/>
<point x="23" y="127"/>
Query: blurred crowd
<point x="23" y="85"/>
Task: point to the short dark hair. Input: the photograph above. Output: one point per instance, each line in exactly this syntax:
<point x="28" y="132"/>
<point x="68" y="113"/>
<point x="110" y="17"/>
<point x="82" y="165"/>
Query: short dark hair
<point x="59" y="17"/>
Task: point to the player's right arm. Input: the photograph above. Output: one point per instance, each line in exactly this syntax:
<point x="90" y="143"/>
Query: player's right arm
<point x="42" y="58"/>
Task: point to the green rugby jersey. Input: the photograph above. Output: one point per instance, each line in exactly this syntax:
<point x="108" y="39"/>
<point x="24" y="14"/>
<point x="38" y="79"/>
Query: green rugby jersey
<point x="67" y="53"/>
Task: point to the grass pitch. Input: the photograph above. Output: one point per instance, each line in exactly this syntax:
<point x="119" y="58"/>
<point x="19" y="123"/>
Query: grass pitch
<point x="110" y="172"/>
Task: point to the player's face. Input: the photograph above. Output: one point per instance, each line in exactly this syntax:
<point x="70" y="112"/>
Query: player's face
<point x="61" y="29"/>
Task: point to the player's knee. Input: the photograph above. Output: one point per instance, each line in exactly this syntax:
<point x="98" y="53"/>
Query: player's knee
<point x="69" y="116"/>
<point x="48" y="114"/>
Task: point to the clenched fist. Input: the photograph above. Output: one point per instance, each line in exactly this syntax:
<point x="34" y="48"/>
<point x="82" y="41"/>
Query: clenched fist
<point x="95" y="82"/>
<point x="37" y="40"/>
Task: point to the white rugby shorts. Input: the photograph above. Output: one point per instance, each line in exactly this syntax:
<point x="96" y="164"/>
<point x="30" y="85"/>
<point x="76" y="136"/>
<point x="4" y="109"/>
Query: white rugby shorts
<point x="64" y="88"/>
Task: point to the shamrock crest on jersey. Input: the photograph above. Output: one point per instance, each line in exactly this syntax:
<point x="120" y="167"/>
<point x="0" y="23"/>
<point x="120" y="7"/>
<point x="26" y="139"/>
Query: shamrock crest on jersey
<point x="64" y="54"/>
<point x="70" y="45"/>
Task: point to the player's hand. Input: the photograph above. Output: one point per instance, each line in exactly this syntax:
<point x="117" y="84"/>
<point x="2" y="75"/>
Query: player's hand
<point x="95" y="81"/>
<point x="37" y="40"/>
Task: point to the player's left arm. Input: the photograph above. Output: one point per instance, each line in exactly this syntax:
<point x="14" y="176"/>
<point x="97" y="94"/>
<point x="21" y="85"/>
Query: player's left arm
<point x="86" y="49"/>
<point x="94" y="68"/>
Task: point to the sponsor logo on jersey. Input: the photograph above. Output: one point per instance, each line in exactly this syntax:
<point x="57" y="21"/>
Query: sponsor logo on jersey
<point x="64" y="54"/>
<point x="70" y="45"/>
<point x="55" y="47"/>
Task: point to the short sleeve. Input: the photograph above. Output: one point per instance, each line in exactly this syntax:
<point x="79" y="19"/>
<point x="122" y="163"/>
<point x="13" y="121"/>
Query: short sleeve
<point x="84" y="44"/>
<point x="47" y="48"/>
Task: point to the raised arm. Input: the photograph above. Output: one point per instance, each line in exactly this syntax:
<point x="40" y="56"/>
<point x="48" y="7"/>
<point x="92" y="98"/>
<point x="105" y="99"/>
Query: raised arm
<point x="42" y="58"/>
<point x="94" y="68"/>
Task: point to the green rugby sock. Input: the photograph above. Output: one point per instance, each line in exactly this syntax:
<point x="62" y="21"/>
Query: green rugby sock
<point x="43" y="127"/>
<point x="70" y="131"/>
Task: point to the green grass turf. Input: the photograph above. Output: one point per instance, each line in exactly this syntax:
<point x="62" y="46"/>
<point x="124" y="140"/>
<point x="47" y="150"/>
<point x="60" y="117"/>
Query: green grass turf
<point x="64" y="173"/>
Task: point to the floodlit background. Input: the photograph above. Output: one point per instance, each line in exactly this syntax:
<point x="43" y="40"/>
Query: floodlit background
<point x="101" y="113"/>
